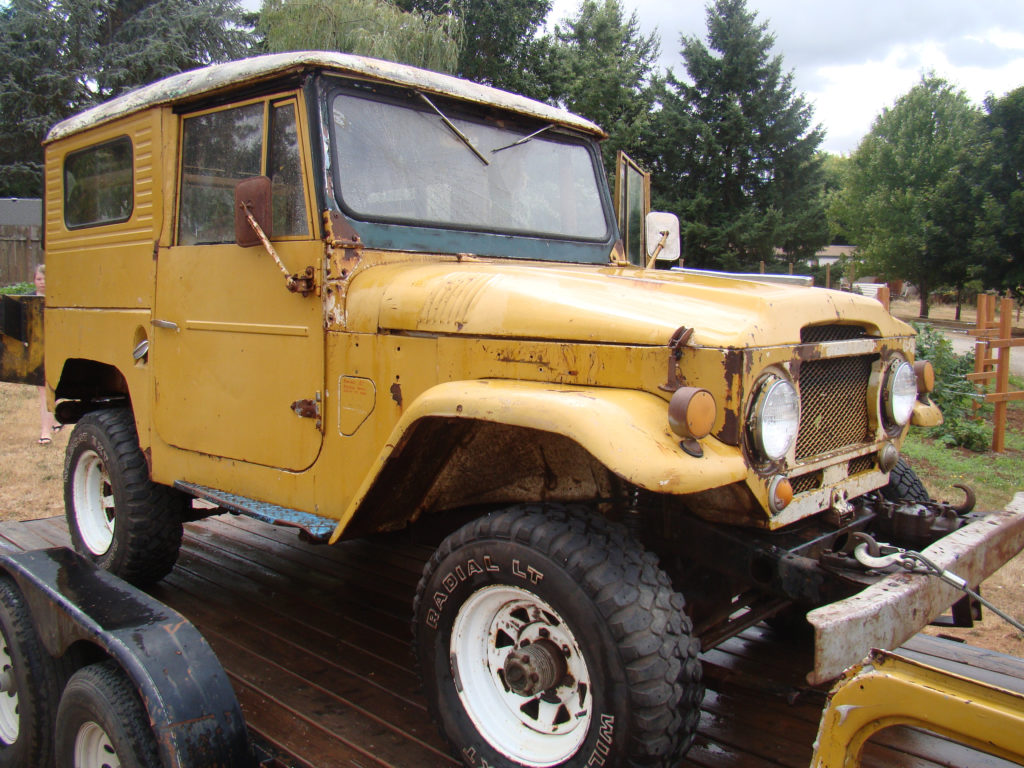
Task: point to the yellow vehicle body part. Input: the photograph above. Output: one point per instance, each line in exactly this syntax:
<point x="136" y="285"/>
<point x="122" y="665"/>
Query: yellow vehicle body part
<point x="926" y="414"/>
<point x="626" y="431"/>
<point x="21" y="339"/>
<point x="889" y="690"/>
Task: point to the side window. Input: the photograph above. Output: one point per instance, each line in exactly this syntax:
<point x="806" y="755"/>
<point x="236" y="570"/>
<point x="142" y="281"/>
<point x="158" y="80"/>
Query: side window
<point x="98" y="184"/>
<point x="284" y="167"/>
<point x="219" y="149"/>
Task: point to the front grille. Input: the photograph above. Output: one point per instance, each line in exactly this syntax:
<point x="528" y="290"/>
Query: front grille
<point x="861" y="464"/>
<point x="809" y="482"/>
<point x="816" y="334"/>
<point x="833" y="404"/>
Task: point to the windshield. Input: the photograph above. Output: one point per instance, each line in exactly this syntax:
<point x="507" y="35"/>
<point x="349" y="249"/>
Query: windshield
<point x="416" y="163"/>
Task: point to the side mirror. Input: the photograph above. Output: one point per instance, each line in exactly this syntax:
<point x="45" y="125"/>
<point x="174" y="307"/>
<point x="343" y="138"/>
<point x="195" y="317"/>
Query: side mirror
<point x="252" y="196"/>
<point x="662" y="237"/>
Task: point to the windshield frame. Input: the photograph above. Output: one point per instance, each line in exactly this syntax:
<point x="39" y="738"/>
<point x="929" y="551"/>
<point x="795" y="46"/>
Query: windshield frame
<point x="403" y="232"/>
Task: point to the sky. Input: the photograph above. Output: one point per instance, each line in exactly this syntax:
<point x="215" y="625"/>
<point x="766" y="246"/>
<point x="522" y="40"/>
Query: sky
<point x="852" y="58"/>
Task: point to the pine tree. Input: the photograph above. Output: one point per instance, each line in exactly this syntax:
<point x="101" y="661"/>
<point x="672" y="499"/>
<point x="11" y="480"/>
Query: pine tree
<point x="734" y="151"/>
<point x="600" y="66"/>
<point x="62" y="56"/>
<point x="499" y="41"/>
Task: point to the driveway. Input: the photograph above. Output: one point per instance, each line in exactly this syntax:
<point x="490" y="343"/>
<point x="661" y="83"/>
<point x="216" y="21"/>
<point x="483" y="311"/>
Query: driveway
<point x="964" y="343"/>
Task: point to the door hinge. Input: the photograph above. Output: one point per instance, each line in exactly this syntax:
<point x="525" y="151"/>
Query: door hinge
<point x="309" y="409"/>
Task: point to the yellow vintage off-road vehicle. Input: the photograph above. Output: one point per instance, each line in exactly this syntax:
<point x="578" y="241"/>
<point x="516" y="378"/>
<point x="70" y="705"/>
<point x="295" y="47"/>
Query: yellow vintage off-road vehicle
<point x="352" y="296"/>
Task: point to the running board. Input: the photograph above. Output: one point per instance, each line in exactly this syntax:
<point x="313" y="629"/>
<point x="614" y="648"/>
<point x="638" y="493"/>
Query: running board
<point x="312" y="528"/>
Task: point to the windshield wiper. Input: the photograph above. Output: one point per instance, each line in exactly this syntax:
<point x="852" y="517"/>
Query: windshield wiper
<point x="454" y="129"/>
<point x="524" y="139"/>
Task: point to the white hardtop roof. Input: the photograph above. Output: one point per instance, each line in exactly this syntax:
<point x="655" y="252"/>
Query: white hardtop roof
<point x="189" y="85"/>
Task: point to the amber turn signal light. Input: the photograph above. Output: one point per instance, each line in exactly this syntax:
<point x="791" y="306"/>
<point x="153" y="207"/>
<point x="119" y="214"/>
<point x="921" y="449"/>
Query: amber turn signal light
<point x="691" y="412"/>
<point x="925" y="376"/>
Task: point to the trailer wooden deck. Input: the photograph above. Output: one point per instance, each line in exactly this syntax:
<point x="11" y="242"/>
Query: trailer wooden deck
<point x="315" y="640"/>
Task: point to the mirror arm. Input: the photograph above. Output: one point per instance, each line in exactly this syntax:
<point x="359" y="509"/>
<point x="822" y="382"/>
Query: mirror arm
<point x="294" y="283"/>
<point x="658" y="248"/>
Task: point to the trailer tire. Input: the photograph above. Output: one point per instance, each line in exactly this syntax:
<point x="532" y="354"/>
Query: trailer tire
<point x="100" y="715"/>
<point x="118" y="518"/>
<point x="905" y="485"/>
<point x="608" y="672"/>
<point x="28" y="701"/>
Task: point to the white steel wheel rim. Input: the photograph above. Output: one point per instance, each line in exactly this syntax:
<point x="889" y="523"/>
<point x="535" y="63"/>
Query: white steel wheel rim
<point x="538" y="730"/>
<point x="10" y="720"/>
<point x="94" y="503"/>
<point x="93" y="748"/>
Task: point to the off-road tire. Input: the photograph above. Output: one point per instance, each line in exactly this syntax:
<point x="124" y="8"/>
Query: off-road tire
<point x="100" y="708"/>
<point x="904" y="485"/>
<point x="26" y="723"/>
<point x="614" y="601"/>
<point x="146" y="517"/>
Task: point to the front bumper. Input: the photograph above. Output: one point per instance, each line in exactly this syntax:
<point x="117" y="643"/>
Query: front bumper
<point x="891" y="611"/>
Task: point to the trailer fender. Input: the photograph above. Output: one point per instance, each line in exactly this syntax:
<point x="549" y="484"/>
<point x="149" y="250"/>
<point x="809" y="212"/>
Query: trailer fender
<point x="192" y="708"/>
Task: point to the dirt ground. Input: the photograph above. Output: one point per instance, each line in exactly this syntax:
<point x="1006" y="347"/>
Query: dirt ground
<point x="31" y="487"/>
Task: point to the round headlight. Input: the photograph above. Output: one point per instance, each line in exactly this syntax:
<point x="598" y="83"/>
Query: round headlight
<point x="900" y="393"/>
<point x="776" y="418"/>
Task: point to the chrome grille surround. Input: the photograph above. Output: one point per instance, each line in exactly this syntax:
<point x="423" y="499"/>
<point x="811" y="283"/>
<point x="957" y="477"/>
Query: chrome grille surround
<point x="834" y="404"/>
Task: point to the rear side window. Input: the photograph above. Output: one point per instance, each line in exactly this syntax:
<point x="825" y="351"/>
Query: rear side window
<point x="98" y="184"/>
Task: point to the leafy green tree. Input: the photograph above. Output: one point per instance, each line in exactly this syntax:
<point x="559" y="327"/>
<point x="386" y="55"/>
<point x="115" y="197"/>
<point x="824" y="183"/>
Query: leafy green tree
<point x="1000" y="236"/>
<point x="907" y="203"/>
<point x="61" y="56"/>
<point x="734" y="150"/>
<point x="600" y="66"/>
<point x="500" y="38"/>
<point x="365" y="27"/>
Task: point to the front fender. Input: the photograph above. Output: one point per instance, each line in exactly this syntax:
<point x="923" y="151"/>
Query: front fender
<point x="625" y="430"/>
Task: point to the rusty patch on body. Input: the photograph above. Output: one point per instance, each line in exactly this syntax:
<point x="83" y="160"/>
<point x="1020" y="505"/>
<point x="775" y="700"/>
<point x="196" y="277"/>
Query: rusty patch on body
<point x="396" y="393"/>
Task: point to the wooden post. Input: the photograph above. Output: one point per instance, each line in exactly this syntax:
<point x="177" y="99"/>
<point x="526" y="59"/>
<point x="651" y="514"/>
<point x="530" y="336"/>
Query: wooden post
<point x="883" y="296"/>
<point x="791" y="267"/>
<point x="762" y="267"/>
<point x="828" y="275"/>
<point x="1002" y="376"/>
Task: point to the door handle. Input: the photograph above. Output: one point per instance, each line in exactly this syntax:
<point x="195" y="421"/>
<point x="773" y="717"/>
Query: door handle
<point x="165" y="324"/>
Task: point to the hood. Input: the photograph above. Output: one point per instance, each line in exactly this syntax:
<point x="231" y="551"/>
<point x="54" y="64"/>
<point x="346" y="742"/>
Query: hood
<point x="598" y="304"/>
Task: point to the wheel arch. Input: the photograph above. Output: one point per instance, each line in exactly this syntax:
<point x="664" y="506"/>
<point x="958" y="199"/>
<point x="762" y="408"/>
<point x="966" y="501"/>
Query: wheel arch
<point x="497" y="441"/>
<point x="82" y="379"/>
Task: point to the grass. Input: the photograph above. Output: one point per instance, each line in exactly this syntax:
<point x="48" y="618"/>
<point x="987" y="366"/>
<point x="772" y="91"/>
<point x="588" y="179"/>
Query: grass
<point x="995" y="477"/>
<point x="30" y="474"/>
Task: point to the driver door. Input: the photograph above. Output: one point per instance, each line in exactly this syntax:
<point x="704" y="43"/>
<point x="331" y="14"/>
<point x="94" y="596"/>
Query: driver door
<point x="237" y="357"/>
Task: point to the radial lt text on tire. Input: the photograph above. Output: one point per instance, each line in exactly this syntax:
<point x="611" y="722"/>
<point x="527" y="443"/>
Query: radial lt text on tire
<point x="547" y="636"/>
<point x="117" y="516"/>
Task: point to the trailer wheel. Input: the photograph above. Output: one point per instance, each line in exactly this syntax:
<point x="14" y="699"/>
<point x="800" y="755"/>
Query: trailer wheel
<point x="904" y="484"/>
<point x="547" y="636"/>
<point x="28" y="685"/>
<point x="101" y="722"/>
<point x="118" y="518"/>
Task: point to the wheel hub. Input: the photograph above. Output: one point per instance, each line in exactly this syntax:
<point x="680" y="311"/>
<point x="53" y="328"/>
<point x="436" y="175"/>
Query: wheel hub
<point x="535" y="668"/>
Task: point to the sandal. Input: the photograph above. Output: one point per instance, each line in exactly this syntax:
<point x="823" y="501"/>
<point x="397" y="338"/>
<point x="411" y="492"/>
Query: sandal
<point x="44" y="441"/>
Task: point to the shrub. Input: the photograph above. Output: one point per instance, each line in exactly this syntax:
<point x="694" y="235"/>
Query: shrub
<point x="18" y="288"/>
<point x="954" y="393"/>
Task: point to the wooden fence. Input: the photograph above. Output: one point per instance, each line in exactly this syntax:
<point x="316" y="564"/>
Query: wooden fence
<point x="998" y="338"/>
<point x="21" y="250"/>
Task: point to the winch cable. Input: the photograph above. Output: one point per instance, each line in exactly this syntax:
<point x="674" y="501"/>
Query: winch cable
<point x="910" y="560"/>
